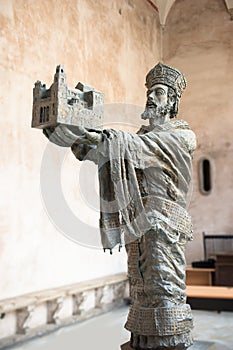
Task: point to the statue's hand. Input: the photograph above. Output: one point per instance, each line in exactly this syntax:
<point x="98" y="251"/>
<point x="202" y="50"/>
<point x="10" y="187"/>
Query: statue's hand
<point x="62" y="135"/>
<point x="93" y="137"/>
<point x="65" y="136"/>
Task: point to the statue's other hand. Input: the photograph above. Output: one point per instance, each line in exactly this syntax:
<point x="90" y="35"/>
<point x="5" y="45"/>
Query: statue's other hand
<point x="64" y="136"/>
<point x="94" y="137"/>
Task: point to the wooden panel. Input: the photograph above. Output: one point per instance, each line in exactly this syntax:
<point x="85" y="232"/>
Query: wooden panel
<point x="224" y="269"/>
<point x="210" y="298"/>
<point x="209" y="292"/>
<point x="199" y="276"/>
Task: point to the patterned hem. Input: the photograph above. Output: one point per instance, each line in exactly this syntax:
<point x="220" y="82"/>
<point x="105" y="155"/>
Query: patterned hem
<point x="154" y="342"/>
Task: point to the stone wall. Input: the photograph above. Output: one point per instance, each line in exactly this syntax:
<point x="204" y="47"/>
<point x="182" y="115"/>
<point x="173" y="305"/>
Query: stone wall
<point x="198" y="39"/>
<point x="108" y="44"/>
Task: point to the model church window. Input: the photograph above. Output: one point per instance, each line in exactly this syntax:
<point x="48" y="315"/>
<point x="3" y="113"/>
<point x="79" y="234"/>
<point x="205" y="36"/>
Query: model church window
<point x="41" y="114"/>
<point x="44" y="114"/>
<point x="47" y="114"/>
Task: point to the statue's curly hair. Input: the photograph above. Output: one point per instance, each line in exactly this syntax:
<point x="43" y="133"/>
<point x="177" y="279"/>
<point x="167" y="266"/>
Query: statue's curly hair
<point x="172" y="94"/>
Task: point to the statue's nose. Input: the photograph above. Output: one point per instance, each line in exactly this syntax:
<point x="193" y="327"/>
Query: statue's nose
<point x="150" y="102"/>
<point x="150" y="98"/>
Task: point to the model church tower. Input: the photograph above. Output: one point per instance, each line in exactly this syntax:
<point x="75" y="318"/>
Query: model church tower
<point x="82" y="106"/>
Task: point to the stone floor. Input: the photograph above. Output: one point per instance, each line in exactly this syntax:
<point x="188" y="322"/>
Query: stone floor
<point x="106" y="332"/>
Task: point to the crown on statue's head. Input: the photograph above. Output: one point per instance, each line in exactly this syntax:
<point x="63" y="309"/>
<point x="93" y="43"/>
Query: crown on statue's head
<point x="162" y="74"/>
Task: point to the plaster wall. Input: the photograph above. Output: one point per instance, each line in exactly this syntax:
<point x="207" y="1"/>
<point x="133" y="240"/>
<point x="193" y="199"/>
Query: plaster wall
<point x="198" y="40"/>
<point x="108" y="44"/>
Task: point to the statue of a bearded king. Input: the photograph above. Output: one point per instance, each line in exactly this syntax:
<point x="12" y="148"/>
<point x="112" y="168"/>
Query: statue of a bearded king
<point x="144" y="184"/>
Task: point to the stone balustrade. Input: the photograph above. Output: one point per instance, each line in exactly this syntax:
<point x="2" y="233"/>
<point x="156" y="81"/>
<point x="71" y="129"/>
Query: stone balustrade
<point x="34" y="314"/>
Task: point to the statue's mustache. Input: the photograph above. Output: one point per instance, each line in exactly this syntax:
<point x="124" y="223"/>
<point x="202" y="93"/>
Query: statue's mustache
<point x="154" y="111"/>
<point x="151" y="104"/>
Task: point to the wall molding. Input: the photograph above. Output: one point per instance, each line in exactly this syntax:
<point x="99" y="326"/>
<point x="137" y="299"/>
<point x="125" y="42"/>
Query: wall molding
<point x="31" y="315"/>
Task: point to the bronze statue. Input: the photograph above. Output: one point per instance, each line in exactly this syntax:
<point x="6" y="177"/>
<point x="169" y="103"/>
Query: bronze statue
<point x="144" y="183"/>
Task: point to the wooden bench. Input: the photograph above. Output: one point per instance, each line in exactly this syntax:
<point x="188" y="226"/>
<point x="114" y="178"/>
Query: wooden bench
<point x="210" y="298"/>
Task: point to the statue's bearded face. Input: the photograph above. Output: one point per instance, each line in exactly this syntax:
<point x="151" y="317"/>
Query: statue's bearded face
<point x="160" y="102"/>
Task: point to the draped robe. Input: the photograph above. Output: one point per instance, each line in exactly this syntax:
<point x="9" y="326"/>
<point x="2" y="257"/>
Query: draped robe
<point x="144" y="189"/>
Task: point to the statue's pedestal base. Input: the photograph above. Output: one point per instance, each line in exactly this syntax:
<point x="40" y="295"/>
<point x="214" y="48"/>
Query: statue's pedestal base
<point x="197" y="345"/>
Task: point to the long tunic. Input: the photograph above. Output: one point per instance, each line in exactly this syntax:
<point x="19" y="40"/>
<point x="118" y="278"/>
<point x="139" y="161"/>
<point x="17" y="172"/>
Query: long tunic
<point x="144" y="189"/>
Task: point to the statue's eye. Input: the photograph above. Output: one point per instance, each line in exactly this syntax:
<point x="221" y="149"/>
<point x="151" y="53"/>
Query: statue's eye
<point x="160" y="92"/>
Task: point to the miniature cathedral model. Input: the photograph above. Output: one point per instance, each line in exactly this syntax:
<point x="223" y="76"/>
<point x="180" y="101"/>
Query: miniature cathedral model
<point x="82" y="106"/>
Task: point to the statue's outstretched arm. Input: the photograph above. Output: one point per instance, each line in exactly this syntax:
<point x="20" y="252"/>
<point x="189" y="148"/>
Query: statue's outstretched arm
<point x="65" y="136"/>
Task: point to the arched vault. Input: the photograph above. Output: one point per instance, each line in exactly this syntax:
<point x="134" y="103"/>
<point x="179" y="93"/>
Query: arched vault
<point x="164" y="7"/>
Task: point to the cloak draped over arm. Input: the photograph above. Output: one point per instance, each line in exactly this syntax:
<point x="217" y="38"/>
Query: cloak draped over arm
<point x="125" y="215"/>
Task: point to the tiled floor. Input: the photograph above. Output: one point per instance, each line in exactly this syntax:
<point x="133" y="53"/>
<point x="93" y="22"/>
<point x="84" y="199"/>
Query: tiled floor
<point x="214" y="327"/>
<point x="106" y="332"/>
